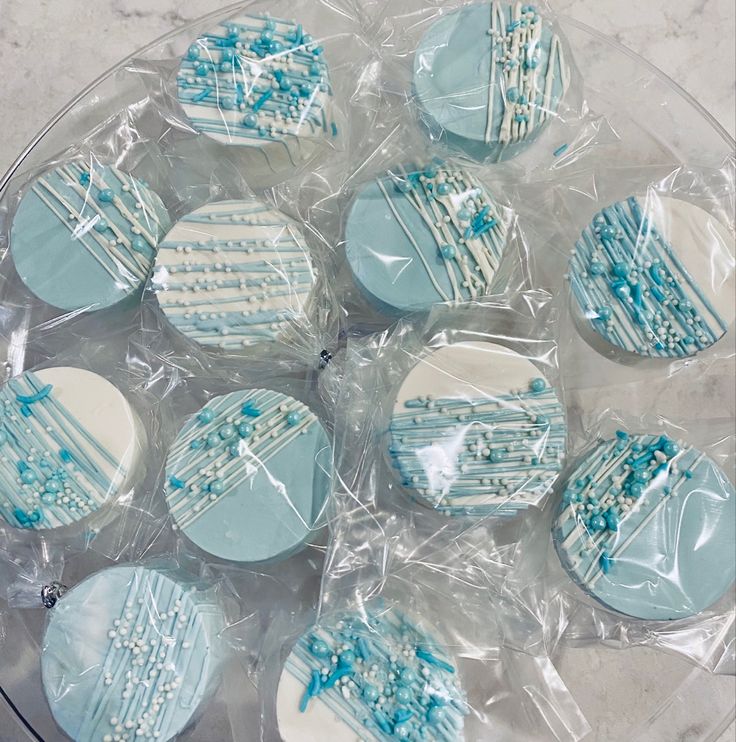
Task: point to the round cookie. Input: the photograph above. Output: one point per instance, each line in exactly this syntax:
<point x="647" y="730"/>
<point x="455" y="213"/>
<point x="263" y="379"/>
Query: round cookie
<point x="233" y="273"/>
<point x="488" y="77"/>
<point x="248" y="476"/>
<point x="260" y="83"/>
<point x="372" y="678"/>
<point x="69" y="444"/>
<point x="647" y="527"/>
<point x="652" y="276"/>
<point x="416" y="238"/>
<point x="477" y="430"/>
<point x="131" y="653"/>
<point x="85" y="238"/>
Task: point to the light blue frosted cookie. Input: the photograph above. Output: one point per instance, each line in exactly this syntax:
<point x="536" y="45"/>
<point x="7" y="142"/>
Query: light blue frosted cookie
<point x="374" y="676"/>
<point x="654" y="276"/>
<point x="415" y="238"/>
<point x="476" y="430"/>
<point x="248" y="476"/>
<point x="258" y="82"/>
<point x="488" y="77"/>
<point x="647" y="527"/>
<point x="233" y="273"/>
<point x="69" y="444"/>
<point x="84" y="239"/>
<point x="132" y="653"/>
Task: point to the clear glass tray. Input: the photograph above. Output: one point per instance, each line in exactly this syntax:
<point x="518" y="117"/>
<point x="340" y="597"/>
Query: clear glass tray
<point x="635" y="694"/>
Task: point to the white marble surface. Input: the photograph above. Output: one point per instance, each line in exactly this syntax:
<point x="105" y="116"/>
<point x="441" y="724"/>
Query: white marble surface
<point x="50" y="49"/>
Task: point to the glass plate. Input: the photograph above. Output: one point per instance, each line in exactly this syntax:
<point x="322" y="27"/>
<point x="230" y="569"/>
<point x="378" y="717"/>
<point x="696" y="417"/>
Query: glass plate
<point x="638" y="694"/>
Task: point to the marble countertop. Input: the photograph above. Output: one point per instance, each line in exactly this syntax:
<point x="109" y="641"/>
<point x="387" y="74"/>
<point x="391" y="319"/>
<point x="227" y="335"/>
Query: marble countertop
<point x="50" y="49"/>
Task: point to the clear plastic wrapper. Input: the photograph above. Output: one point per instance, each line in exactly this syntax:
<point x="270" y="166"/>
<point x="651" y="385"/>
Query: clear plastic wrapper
<point x="649" y="563"/>
<point x="395" y="551"/>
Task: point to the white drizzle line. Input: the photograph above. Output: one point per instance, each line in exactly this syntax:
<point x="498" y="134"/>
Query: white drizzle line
<point x="411" y="239"/>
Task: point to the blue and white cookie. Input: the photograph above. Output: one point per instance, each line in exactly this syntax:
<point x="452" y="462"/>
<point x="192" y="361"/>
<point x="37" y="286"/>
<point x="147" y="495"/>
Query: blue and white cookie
<point x="477" y="430"/>
<point x="647" y="527"/>
<point x="415" y="238"/>
<point x="69" y="444"/>
<point x="654" y="276"/>
<point x="248" y="476"/>
<point x="261" y="83"/>
<point x="233" y="273"/>
<point x="132" y="652"/>
<point x="488" y="77"/>
<point x="84" y="238"/>
<point x="374" y="676"/>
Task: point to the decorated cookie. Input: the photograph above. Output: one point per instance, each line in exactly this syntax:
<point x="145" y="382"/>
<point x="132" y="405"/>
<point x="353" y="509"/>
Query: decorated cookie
<point x="647" y="527"/>
<point x="651" y="276"/>
<point x="248" y="476"/>
<point x="233" y="273"/>
<point x="477" y="430"/>
<point x="84" y="238"/>
<point x="377" y="678"/>
<point x="417" y="238"/>
<point x="131" y="653"/>
<point x="489" y="76"/>
<point x="261" y="83"/>
<point x="69" y="443"/>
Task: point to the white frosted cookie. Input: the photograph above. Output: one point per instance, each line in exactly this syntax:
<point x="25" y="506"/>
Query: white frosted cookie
<point x="69" y="443"/>
<point x="233" y="273"/>
<point x="477" y="430"/>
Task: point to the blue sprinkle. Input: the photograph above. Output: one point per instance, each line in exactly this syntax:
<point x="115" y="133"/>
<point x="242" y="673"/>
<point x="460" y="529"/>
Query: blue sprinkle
<point x="37" y="397"/>
<point x="199" y="97"/>
<point x="560" y="150"/>
<point x="25" y="410"/>
<point x="65" y="455"/>
<point x="605" y="562"/>
<point x="262" y="100"/>
<point x="333" y="127"/>
<point x="84" y="179"/>
<point x="249" y="410"/>
<point x="430" y="659"/>
<point x="177" y="483"/>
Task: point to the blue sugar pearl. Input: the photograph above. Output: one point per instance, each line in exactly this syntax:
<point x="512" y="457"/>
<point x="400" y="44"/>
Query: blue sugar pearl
<point x="139" y="244"/>
<point x="622" y="435"/>
<point x="228" y="54"/>
<point x="689" y="340"/>
<point x="688" y="474"/>
<point x="84" y="179"/>
<point x="226" y="66"/>
<point x="537" y="385"/>
<point x="234" y="450"/>
<point x="266" y="35"/>
<point x="443" y="189"/>
<point x="604" y="313"/>
<point x="233" y="32"/>
<point x="195" y="445"/>
<point x="276" y="47"/>
<point x="48" y="498"/>
<point x="436" y="714"/>
<point x="213" y="440"/>
<point x="670" y="448"/>
<point x="637" y="447"/>
<point x="512" y="95"/>
<point x="227" y="431"/>
<point x="293" y="418"/>
<point x="28" y="477"/>
<point x="464" y="215"/>
<point x="244" y="430"/>
<point x="347" y="657"/>
<point x="403" y="186"/>
<point x="206" y="416"/>
<point x="448" y="252"/>
<point x="250" y="120"/>
<point x="227" y="102"/>
<point x="608" y="232"/>
<point x="621" y="270"/>
<point x="403" y="695"/>
<point x="641" y="476"/>
<point x="370" y="693"/>
<point x="106" y="196"/>
<point x="217" y="487"/>
<point x="193" y="52"/>
<point x="431" y="172"/>
<point x="285" y="83"/>
<point x="622" y="291"/>
<point x="201" y="70"/>
<point x="598" y="523"/>
<point x="407" y="676"/>
<point x="52" y="486"/>
<point x="101" y="225"/>
<point x="496" y="456"/>
<point x="596" y="268"/>
<point x="315" y="71"/>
